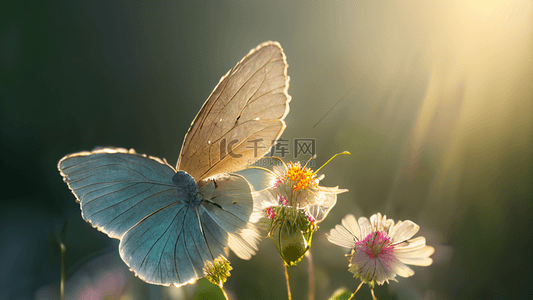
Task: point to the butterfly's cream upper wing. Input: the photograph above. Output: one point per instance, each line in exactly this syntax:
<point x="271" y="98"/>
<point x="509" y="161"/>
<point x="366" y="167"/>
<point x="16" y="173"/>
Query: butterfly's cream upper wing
<point x="242" y="117"/>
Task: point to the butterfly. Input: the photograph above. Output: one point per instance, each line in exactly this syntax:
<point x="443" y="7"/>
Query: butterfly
<point x="170" y="221"/>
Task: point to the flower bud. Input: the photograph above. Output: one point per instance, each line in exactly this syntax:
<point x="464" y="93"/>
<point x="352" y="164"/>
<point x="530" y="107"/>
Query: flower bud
<point x="292" y="232"/>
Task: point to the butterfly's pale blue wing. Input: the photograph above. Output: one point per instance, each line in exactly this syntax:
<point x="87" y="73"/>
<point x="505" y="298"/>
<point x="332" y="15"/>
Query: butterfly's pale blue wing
<point x="242" y="118"/>
<point x="231" y="207"/>
<point x="170" y="247"/>
<point x="166" y="231"/>
<point x="172" y="244"/>
<point x="117" y="188"/>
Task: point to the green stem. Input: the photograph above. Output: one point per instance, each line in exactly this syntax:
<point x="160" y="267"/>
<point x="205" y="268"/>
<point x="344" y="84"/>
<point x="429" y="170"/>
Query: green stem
<point x="287" y="279"/>
<point x="373" y="296"/>
<point x="311" y="271"/>
<point x="223" y="292"/>
<point x="62" y="284"/>
<point x="356" y="291"/>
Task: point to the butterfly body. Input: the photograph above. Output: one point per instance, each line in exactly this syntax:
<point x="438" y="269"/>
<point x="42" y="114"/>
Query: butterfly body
<point x="170" y="221"/>
<point x="188" y="188"/>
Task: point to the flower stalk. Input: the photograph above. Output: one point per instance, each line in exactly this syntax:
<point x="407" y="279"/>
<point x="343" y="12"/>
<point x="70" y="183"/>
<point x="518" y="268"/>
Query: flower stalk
<point x="311" y="273"/>
<point x="356" y="290"/>
<point x="63" y="264"/>
<point x="287" y="281"/>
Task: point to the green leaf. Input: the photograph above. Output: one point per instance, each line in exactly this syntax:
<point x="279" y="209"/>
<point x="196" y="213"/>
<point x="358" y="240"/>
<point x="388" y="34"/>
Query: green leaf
<point x="340" y="294"/>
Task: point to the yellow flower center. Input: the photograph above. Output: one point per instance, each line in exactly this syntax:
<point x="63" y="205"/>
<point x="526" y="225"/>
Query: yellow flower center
<point x="300" y="178"/>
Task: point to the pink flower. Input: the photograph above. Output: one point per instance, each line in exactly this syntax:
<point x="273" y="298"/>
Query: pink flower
<point x="278" y="181"/>
<point x="283" y="200"/>
<point x="311" y="218"/>
<point x="270" y="212"/>
<point x="381" y="249"/>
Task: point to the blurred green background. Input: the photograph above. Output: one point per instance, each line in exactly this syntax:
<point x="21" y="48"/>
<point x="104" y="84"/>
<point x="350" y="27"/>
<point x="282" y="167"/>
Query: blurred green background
<point x="437" y="114"/>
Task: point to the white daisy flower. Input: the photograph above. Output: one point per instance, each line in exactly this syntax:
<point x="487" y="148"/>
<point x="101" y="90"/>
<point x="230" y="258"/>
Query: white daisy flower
<point x="298" y="186"/>
<point x="380" y="248"/>
<point x="294" y="204"/>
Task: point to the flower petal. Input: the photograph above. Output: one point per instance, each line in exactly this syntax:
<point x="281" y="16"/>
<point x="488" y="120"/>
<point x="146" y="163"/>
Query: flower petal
<point x="376" y="221"/>
<point x="411" y="244"/>
<point x="388" y="226"/>
<point x="381" y="223"/>
<point x="318" y="202"/>
<point x="365" y="226"/>
<point x="402" y="270"/>
<point x="362" y="266"/>
<point x="416" y="253"/>
<point x="384" y="271"/>
<point x="342" y="237"/>
<point x="350" y="223"/>
<point x="403" y="231"/>
<point x="425" y="251"/>
<point x="423" y="262"/>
